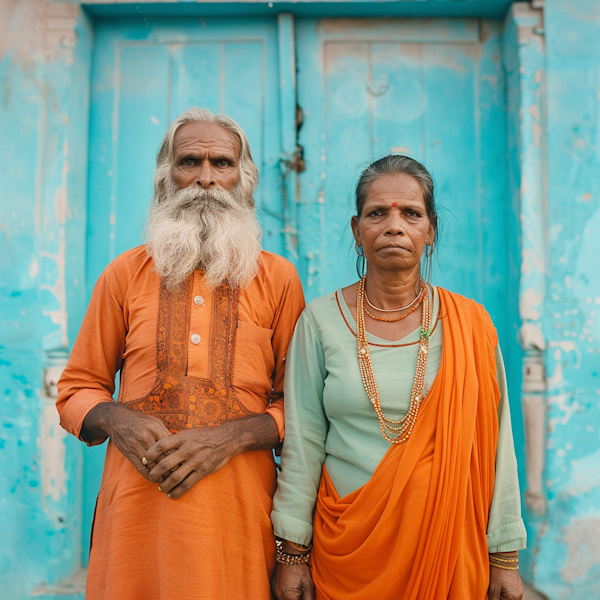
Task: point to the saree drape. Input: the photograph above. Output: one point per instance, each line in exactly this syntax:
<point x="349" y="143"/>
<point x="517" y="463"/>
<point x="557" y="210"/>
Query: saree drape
<point x="417" y="529"/>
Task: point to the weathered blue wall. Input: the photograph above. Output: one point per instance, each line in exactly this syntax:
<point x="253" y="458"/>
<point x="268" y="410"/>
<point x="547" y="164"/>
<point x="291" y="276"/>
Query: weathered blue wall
<point x="567" y="548"/>
<point x="45" y="53"/>
<point x="554" y="125"/>
<point x="524" y="63"/>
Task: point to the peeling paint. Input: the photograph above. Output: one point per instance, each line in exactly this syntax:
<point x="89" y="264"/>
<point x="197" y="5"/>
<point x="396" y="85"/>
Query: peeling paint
<point x="581" y="537"/>
<point x="52" y="436"/>
<point x="42" y="202"/>
<point x="34" y="268"/>
<point x="559" y="331"/>
<point x="58" y="316"/>
<point x="528" y="303"/>
<point x="53" y="449"/>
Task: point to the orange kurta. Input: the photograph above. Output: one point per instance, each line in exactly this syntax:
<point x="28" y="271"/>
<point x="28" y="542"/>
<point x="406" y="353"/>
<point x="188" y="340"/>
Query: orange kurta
<point x="195" y="358"/>
<point x="417" y="529"/>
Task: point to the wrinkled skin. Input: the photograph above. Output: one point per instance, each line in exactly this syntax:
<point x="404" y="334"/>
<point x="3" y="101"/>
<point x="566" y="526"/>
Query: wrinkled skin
<point x="205" y="155"/>
<point x="293" y="582"/>
<point x="505" y="585"/>
<point x="181" y="460"/>
<point x="176" y="462"/>
<point x="132" y="432"/>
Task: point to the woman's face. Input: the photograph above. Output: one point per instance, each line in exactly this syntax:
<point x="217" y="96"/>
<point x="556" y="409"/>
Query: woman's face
<point x="393" y="227"/>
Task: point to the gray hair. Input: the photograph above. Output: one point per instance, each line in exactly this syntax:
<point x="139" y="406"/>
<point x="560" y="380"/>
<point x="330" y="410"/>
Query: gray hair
<point x="164" y="159"/>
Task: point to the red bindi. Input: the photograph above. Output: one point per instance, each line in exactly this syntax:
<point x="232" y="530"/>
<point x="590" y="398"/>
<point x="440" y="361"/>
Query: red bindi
<point x="394" y="204"/>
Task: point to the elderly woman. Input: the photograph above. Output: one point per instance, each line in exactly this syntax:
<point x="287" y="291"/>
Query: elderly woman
<point x="399" y="476"/>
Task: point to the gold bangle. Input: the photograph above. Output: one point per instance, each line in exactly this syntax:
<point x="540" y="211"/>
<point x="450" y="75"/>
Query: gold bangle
<point x="291" y="559"/>
<point x="504" y="560"/>
<point x="511" y="565"/>
<point x="299" y="547"/>
<point x="504" y="567"/>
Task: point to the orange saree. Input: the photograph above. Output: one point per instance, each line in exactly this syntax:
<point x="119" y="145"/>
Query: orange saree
<point x="417" y="529"/>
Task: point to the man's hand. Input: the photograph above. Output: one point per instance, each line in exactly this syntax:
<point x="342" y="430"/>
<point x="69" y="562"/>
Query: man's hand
<point x="197" y="453"/>
<point x="505" y="584"/>
<point x="132" y="432"/>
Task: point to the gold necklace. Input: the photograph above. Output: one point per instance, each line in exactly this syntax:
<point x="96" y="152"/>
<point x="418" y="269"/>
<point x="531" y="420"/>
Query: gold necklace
<point x="419" y="298"/>
<point x="392" y="309"/>
<point x="393" y="431"/>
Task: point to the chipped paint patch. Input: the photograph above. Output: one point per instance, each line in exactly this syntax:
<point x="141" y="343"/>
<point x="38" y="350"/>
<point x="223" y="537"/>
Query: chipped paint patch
<point x="581" y="537"/>
<point x="53" y="450"/>
<point x="529" y="302"/>
<point x="58" y="316"/>
<point x="34" y="268"/>
<point x="584" y="473"/>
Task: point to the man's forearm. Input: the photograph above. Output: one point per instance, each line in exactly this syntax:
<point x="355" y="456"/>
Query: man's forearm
<point x="255" y="433"/>
<point x="97" y="422"/>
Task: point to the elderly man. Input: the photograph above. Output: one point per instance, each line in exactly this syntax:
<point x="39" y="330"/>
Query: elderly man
<point x="198" y="321"/>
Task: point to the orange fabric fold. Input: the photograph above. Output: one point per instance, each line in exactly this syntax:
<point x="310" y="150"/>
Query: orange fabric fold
<point x="417" y="529"/>
<point x="214" y="543"/>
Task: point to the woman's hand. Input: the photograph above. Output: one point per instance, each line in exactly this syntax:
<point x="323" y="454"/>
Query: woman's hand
<point x="293" y="582"/>
<point x="504" y="585"/>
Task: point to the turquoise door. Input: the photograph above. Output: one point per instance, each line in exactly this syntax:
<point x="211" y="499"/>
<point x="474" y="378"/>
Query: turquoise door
<point x="142" y="78"/>
<point x="433" y="89"/>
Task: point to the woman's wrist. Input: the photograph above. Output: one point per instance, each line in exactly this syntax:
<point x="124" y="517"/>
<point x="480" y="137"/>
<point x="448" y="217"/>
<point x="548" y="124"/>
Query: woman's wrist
<point x="507" y="561"/>
<point x="294" y="549"/>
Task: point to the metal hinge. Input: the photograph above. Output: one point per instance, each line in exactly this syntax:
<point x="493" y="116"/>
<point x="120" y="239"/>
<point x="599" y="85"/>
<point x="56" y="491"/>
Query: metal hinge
<point x="295" y="162"/>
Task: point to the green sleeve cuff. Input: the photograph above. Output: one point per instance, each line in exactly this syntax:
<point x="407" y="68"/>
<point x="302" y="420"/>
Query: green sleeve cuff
<point x="292" y="529"/>
<point x="508" y="538"/>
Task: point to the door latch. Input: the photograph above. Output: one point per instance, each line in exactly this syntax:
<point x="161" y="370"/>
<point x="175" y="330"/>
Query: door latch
<point x="295" y="162"/>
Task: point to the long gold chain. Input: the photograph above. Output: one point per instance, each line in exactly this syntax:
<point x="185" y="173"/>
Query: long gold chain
<point x="394" y="431"/>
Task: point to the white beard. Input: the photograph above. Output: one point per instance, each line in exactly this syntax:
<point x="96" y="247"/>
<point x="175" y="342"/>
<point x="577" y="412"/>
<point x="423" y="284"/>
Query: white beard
<point x="211" y="229"/>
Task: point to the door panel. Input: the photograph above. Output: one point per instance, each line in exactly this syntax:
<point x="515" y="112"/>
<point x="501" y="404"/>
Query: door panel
<point x="429" y="89"/>
<point x="142" y="78"/>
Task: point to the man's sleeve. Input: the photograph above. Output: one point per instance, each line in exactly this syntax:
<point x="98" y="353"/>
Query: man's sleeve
<point x="89" y="377"/>
<point x="290" y="307"/>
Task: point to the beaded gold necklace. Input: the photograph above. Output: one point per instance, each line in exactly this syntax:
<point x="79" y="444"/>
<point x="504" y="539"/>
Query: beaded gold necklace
<point x="394" y="431"/>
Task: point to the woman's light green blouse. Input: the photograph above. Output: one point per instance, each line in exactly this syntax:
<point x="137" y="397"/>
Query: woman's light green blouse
<point x="328" y="418"/>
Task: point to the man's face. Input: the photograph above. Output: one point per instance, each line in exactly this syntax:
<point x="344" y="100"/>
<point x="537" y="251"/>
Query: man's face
<point x="206" y="155"/>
